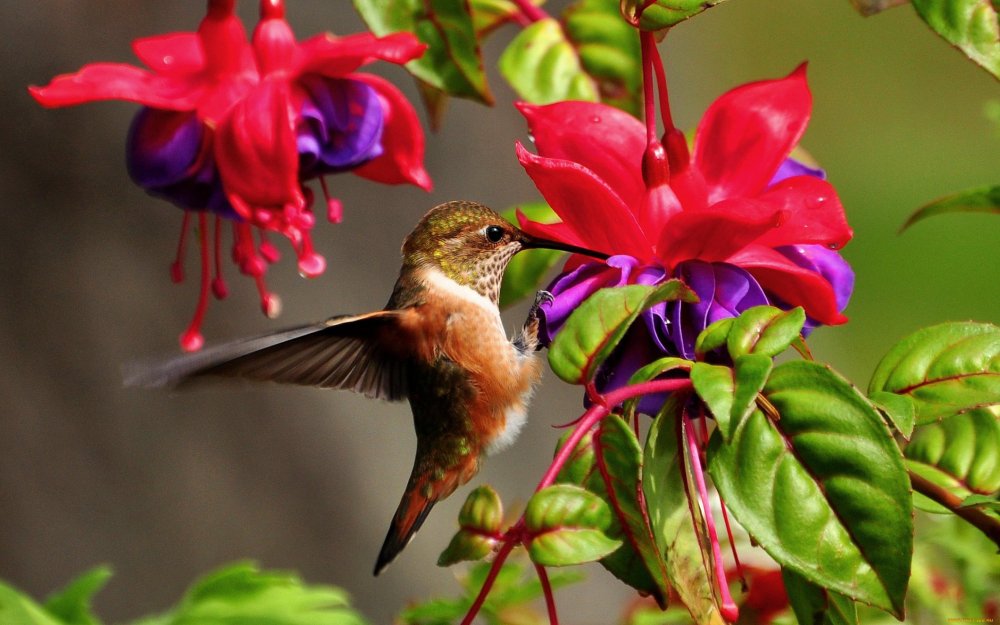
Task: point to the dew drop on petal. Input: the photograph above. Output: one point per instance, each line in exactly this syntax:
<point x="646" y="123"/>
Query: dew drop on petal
<point x="596" y="119"/>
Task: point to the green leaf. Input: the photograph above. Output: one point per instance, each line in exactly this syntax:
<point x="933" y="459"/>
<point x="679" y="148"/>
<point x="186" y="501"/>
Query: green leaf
<point x="823" y="489"/>
<point x="814" y="605"/>
<point x="661" y="14"/>
<point x="899" y="411"/>
<point x="945" y="369"/>
<point x="608" y="48"/>
<point x="665" y="487"/>
<point x="567" y="524"/>
<point x="579" y="468"/>
<point x="543" y="67"/>
<point x="713" y="337"/>
<point x="980" y="200"/>
<point x="479" y="523"/>
<point x="19" y="609"/>
<point x="241" y="593"/>
<point x="981" y="501"/>
<point x="764" y="330"/>
<point x="939" y="478"/>
<point x="527" y="269"/>
<point x="716" y="387"/>
<point x="452" y="62"/>
<point x="488" y="15"/>
<point x="594" y="329"/>
<point x="731" y="394"/>
<point x="965" y="447"/>
<point x="72" y="604"/>
<point x="969" y="25"/>
<point x="619" y="481"/>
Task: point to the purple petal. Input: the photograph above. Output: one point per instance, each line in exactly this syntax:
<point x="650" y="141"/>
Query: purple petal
<point x="724" y="290"/>
<point x="570" y="289"/>
<point x="791" y="167"/>
<point x="340" y="125"/>
<point x="827" y="263"/>
<point x="166" y="154"/>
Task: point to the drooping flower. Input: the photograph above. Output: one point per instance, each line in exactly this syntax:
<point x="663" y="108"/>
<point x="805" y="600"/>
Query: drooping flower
<point x="234" y="128"/>
<point x="738" y="220"/>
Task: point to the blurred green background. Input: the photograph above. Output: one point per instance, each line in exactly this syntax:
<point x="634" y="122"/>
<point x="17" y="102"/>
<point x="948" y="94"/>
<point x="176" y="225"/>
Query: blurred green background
<point x="164" y="487"/>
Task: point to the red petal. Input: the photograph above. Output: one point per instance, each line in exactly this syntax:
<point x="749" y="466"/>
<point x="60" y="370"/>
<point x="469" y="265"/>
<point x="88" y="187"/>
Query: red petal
<point x="587" y="205"/>
<point x="170" y="54"/>
<point x="256" y="153"/>
<point x="402" y="159"/>
<point x="118" y="81"/>
<point x="793" y="284"/>
<point x="336" y="56"/>
<point x="747" y="133"/>
<point x="808" y="211"/>
<point x="713" y="234"/>
<point x="605" y="140"/>
<point x="553" y="232"/>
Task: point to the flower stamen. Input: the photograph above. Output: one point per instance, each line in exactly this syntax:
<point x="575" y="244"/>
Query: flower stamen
<point x="192" y="340"/>
<point x="177" y="267"/>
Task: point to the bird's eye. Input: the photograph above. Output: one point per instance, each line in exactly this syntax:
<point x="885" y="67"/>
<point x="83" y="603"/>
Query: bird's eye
<point x="494" y="234"/>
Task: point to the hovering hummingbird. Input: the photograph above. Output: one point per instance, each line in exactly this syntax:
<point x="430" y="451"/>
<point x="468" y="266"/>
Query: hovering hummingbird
<point x="439" y="342"/>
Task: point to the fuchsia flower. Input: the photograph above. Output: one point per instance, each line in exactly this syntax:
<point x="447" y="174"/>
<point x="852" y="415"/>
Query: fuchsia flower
<point x="234" y="128"/>
<point x="737" y="219"/>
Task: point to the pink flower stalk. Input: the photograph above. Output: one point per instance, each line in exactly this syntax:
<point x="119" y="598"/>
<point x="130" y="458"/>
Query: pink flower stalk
<point x="235" y="127"/>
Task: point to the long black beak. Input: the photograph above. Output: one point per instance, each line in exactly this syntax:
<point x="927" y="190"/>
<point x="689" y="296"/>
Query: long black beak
<point x="530" y="242"/>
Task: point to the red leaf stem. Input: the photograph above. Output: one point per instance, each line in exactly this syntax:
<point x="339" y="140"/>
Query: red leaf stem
<point x="513" y="537"/>
<point x="585" y="423"/>
<point x="550" y="600"/>
<point x="531" y="12"/>
<point x="598" y="411"/>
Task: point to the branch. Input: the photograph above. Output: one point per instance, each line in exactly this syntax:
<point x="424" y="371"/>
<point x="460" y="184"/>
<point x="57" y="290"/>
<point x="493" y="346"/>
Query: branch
<point x="985" y="523"/>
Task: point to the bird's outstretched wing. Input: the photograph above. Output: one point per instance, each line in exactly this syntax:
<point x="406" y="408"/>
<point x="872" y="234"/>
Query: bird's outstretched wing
<point x="342" y="352"/>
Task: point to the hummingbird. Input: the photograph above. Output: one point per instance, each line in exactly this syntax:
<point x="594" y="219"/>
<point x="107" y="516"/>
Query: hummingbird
<point x="439" y="343"/>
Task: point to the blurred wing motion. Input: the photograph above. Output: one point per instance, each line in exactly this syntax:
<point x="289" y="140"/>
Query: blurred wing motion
<point x="342" y="352"/>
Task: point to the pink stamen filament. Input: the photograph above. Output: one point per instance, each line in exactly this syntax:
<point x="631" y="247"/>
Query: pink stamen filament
<point x="177" y="267"/>
<point x="728" y="608"/>
<point x="585" y="423"/>
<point x="192" y="339"/>
<point x="268" y="249"/>
<point x="334" y="207"/>
<point x="219" y="288"/>
<point x="530" y="11"/>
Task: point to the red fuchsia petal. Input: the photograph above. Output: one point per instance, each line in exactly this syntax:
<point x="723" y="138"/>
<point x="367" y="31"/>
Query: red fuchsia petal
<point x="256" y="154"/>
<point x="173" y="53"/>
<point x="336" y="56"/>
<point x="605" y="140"/>
<point x="587" y="205"/>
<point x="118" y="81"/>
<point x="809" y="211"/>
<point x="795" y="285"/>
<point x="402" y="159"/>
<point x="553" y="232"/>
<point x="747" y="133"/>
<point x="713" y="234"/>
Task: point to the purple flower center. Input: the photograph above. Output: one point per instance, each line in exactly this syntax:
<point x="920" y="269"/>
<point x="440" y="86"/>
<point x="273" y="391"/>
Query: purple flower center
<point x="340" y="125"/>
